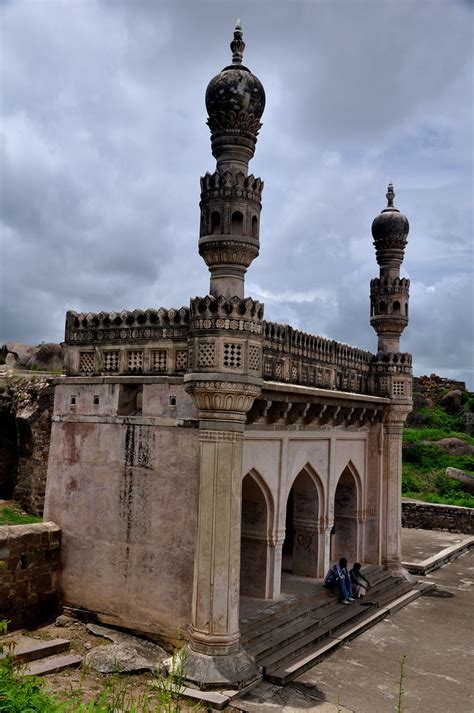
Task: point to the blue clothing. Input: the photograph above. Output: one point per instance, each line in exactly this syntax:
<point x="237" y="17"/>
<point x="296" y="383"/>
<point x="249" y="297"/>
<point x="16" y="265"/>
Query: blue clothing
<point x="339" y="576"/>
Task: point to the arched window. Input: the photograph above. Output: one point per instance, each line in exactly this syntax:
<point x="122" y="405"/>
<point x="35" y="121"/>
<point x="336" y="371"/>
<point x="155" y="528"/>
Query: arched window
<point x="255" y="227"/>
<point x="215" y="222"/>
<point x="396" y="307"/>
<point x="382" y="307"/>
<point x="237" y="225"/>
<point x="406" y="310"/>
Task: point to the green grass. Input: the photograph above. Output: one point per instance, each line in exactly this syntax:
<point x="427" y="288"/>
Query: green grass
<point x="14" y="516"/>
<point x="414" y="435"/>
<point x="438" y="418"/>
<point x="464" y="500"/>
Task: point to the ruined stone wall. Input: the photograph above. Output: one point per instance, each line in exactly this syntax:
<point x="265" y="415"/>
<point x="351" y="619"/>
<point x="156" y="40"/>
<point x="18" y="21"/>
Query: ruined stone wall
<point x="25" y="418"/>
<point x="428" y="516"/>
<point x="29" y="562"/>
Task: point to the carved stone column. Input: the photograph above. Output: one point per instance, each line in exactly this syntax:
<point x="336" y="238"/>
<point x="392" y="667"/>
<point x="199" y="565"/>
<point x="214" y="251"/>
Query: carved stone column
<point x="215" y="657"/>
<point x="324" y="545"/>
<point x="392" y="485"/>
<point x="275" y="550"/>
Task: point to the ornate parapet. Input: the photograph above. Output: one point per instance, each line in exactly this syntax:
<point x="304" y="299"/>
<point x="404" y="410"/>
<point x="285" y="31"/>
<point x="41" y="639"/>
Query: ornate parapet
<point x="125" y="326"/>
<point x="295" y="357"/>
<point x="139" y="342"/>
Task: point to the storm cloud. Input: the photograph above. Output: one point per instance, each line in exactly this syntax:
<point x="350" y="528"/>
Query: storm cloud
<point x="104" y="140"/>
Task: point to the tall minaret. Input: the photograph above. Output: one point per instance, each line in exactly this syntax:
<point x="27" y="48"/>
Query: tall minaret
<point x="225" y="372"/>
<point x="391" y="370"/>
<point x="230" y="198"/>
<point x="388" y="293"/>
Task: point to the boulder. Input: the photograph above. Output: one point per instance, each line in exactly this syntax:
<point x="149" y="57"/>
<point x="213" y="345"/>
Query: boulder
<point x="126" y="654"/>
<point x="456" y="446"/>
<point x="452" y="401"/>
<point x="467" y="479"/>
<point x="50" y="356"/>
<point x="18" y="354"/>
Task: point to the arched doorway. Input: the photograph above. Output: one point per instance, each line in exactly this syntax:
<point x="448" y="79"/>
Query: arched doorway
<point x="255" y="560"/>
<point x="344" y="537"/>
<point x="301" y="546"/>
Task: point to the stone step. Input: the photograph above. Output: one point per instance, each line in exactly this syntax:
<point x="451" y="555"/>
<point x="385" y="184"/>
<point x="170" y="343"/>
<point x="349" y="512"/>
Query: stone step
<point x="309" y="605"/>
<point x="52" y="664"/>
<point x="294" y="638"/>
<point x="347" y="614"/>
<point x="290" y="670"/>
<point x="28" y="649"/>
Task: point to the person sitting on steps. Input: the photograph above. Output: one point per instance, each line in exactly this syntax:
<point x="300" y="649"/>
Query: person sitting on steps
<point x="338" y="576"/>
<point x="360" y="584"/>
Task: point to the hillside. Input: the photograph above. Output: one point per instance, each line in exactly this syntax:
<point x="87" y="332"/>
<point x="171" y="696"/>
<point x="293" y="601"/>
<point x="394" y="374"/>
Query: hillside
<point x="438" y="438"/>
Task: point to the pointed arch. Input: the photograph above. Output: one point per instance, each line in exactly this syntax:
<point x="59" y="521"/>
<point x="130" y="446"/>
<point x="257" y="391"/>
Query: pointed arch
<point x="257" y="520"/>
<point x="304" y="507"/>
<point x="347" y="503"/>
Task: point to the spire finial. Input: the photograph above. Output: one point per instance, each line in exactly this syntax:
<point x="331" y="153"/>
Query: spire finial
<point x="390" y="195"/>
<point x="237" y="45"/>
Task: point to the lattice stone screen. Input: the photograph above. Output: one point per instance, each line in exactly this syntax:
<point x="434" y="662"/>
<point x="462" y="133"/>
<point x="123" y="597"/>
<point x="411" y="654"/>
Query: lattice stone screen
<point x="135" y="361"/>
<point x="181" y="360"/>
<point x="398" y="388"/>
<point x="254" y="358"/>
<point x="233" y="356"/>
<point x="207" y="354"/>
<point x="159" y="360"/>
<point x="87" y="362"/>
<point x="111" y="361"/>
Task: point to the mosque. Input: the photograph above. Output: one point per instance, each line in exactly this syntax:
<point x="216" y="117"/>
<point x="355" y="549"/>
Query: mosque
<point x="197" y="452"/>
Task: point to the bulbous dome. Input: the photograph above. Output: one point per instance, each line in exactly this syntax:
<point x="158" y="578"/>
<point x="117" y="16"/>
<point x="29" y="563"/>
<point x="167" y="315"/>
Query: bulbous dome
<point x="235" y="93"/>
<point x="390" y="228"/>
<point x="235" y="89"/>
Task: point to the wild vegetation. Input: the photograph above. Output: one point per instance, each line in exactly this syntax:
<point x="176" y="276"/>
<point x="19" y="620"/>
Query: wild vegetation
<point x="436" y="417"/>
<point x="28" y="694"/>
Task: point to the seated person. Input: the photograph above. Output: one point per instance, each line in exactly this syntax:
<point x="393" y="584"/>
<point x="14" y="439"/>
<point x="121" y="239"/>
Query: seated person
<point x="338" y="576"/>
<point x="360" y="584"/>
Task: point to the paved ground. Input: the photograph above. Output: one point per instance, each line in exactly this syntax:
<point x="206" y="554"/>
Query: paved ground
<point x="435" y="633"/>
<point x="418" y="545"/>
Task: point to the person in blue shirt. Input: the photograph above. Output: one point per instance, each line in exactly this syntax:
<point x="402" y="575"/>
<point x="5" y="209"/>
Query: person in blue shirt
<point x="338" y="576"/>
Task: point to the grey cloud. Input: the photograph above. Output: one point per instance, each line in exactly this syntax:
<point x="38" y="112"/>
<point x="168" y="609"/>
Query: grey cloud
<point x="104" y="140"/>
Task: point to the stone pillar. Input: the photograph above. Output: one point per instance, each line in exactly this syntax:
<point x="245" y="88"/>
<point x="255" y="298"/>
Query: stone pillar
<point x="275" y="550"/>
<point x="392" y="485"/>
<point x="324" y="545"/>
<point x="215" y="657"/>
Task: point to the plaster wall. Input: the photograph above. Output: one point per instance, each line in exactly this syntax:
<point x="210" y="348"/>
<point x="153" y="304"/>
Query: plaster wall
<point x="125" y="490"/>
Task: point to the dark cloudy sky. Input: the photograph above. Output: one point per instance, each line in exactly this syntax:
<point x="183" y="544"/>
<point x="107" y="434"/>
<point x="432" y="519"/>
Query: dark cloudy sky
<point x="104" y="140"/>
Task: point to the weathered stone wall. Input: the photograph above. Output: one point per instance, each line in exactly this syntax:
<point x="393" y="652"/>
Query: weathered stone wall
<point x="427" y="516"/>
<point x="29" y="562"/>
<point x="124" y="491"/>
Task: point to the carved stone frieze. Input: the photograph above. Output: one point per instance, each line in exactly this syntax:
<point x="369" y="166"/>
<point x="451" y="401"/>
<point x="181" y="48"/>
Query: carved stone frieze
<point x="304" y="413"/>
<point x="223" y="396"/>
<point x="227" y="185"/>
<point x="234" y="122"/>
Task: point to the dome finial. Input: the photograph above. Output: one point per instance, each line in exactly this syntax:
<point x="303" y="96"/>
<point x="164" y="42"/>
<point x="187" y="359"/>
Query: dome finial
<point x="390" y="195"/>
<point x="237" y="45"/>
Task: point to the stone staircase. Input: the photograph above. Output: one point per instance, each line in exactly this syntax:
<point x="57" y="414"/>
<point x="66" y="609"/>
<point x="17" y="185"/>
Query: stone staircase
<point x="42" y="656"/>
<point x="288" y="638"/>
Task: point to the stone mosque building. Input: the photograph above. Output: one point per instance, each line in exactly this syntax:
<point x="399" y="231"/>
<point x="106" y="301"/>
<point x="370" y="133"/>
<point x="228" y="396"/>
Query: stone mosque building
<point x="197" y="451"/>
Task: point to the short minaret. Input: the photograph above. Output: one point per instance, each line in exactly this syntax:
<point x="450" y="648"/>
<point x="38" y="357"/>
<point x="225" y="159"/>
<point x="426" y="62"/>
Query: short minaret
<point x="388" y="293"/>
<point x="230" y="198"/>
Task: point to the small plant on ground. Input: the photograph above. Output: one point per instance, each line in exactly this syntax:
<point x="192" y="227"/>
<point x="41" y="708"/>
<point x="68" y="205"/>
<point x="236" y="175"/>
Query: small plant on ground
<point x="401" y="690"/>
